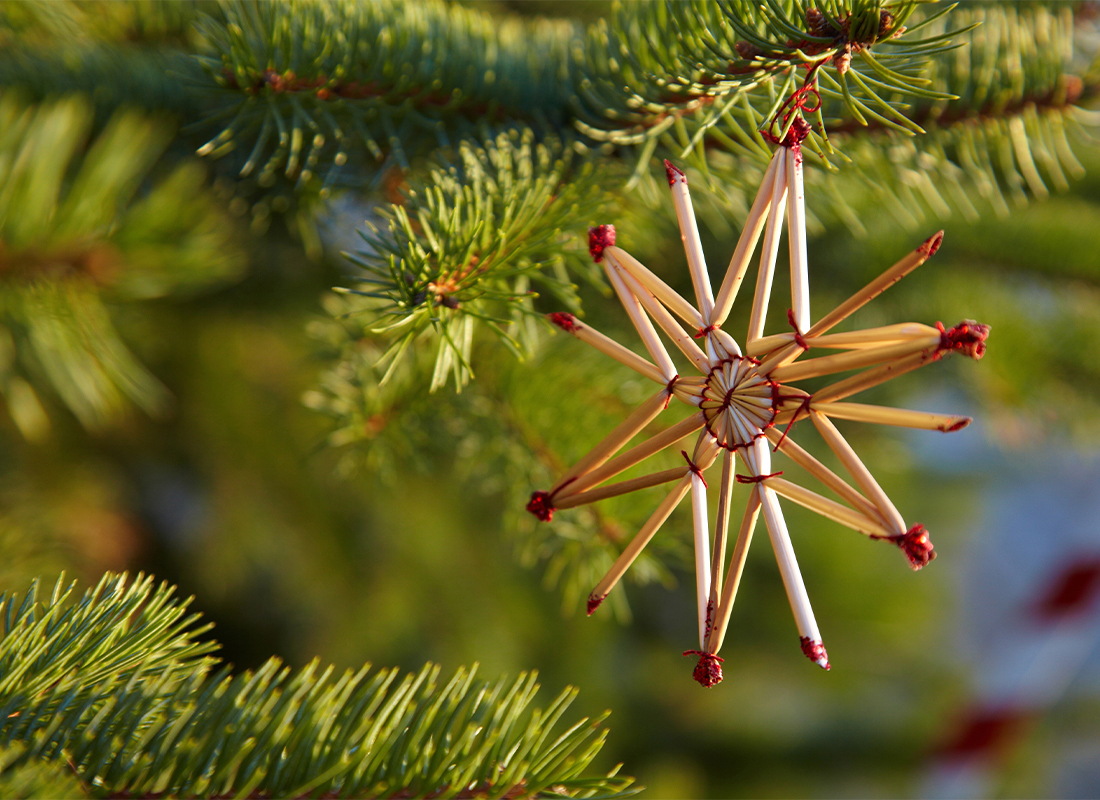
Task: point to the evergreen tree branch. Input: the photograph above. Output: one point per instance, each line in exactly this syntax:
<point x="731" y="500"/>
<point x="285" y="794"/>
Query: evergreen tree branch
<point x="78" y="231"/>
<point x="117" y="686"/>
<point x="995" y="77"/>
<point x="309" y="84"/>
<point x="467" y="245"/>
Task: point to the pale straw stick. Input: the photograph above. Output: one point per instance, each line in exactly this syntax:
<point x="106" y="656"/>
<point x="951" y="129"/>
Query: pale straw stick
<point x="851" y="359"/>
<point x="758" y="459"/>
<point x="638" y="543"/>
<point x="862" y="476"/>
<point x="872" y="337"/>
<point x="879" y="285"/>
<point x="769" y="250"/>
<point x="689" y="233"/>
<point x="746" y="244"/>
<point x="791" y="405"/>
<point x="701" y="528"/>
<point x="615" y="489"/>
<point x="663" y="292"/>
<point x="721" y="528"/>
<point x="745" y="433"/>
<point x="901" y="417"/>
<point x="623" y="433"/>
<point x="687" y="393"/>
<point x="796" y="238"/>
<point x="634" y="455"/>
<point x="610" y="347"/>
<point x="852" y="340"/>
<point x="720" y="345"/>
<point x="667" y="322"/>
<point x="641" y="322"/>
<point x="825" y="475"/>
<point x="778" y="358"/>
<point x="828" y="508"/>
<point x="792" y="576"/>
<point x="873" y="377"/>
<point x="721" y="619"/>
<point x="766" y="344"/>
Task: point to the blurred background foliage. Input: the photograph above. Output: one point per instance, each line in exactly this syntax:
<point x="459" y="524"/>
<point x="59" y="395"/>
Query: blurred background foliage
<point x="185" y="395"/>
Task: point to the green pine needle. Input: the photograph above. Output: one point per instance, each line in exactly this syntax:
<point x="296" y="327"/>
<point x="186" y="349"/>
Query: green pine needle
<point x="467" y="245"/>
<point x="85" y="222"/>
<point x="116" y="685"/>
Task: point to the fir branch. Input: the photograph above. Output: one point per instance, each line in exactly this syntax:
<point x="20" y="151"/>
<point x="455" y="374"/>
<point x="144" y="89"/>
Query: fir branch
<point x="117" y="686"/>
<point x="648" y="80"/>
<point x="467" y="244"/>
<point x="77" y="231"/>
<point x="995" y="100"/>
<point x="129" y="21"/>
<point x="116" y="632"/>
<point x="27" y="780"/>
<point x="112" y="76"/>
<point x="312" y="83"/>
<point x="1009" y="136"/>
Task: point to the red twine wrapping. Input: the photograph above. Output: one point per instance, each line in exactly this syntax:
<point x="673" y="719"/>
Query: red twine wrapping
<point x="805" y="404"/>
<point x="565" y="321"/>
<point x="798" y="103"/>
<point x="541" y="506"/>
<point x="815" y="651"/>
<point x="917" y="546"/>
<point x="968" y="338"/>
<point x="668" y="388"/>
<point x="692" y="468"/>
<point x="708" y="671"/>
<point x="797" y="333"/>
<point x="599" y="237"/>
<point x="756" y="478"/>
<point x="594" y="601"/>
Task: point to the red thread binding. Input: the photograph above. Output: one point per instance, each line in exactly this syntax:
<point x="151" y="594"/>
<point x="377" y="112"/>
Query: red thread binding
<point x="694" y="470"/>
<point x="815" y="651"/>
<point x="968" y="338"/>
<point x="594" y="601"/>
<point x="541" y="506"/>
<point x="930" y="245"/>
<point x="797" y="333"/>
<point x="917" y="546"/>
<point x="708" y="672"/>
<point x="756" y="478"/>
<point x="805" y="404"/>
<point x="672" y="173"/>
<point x="599" y="237"/>
<point x="798" y="103"/>
<point x="565" y="321"/>
<point x="668" y="388"/>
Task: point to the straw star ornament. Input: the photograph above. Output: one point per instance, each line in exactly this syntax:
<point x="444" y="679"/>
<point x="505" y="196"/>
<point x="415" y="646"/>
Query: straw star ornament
<point x="743" y="403"/>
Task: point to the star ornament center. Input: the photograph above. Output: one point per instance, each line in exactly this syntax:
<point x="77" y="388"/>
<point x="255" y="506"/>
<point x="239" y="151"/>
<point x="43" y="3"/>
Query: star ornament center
<point x="737" y="402"/>
<point x="743" y="405"/>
